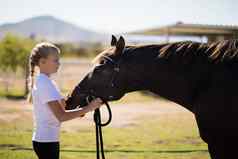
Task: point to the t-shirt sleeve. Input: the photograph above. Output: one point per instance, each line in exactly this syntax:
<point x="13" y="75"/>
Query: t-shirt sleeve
<point x="48" y="91"/>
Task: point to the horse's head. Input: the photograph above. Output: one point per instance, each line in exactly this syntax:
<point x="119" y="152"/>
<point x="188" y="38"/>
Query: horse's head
<point x="107" y="80"/>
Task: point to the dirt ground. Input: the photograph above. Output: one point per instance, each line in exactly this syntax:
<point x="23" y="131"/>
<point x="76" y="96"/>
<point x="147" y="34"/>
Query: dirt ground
<point x="123" y="114"/>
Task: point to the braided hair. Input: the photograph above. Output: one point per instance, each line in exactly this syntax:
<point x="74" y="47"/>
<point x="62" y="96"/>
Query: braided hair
<point x="41" y="50"/>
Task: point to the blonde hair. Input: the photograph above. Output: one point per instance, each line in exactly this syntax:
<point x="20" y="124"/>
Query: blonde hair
<point x="41" y="50"/>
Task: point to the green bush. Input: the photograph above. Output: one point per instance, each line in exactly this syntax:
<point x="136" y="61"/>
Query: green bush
<point x="14" y="53"/>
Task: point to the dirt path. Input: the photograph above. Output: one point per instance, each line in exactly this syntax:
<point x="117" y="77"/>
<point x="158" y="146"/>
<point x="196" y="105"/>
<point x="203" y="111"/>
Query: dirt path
<point x="123" y="114"/>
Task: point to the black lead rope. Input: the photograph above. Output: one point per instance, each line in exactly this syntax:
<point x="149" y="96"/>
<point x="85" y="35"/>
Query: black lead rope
<point x="98" y="126"/>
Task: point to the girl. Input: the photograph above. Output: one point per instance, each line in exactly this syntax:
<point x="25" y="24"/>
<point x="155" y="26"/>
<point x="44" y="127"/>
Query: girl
<point x="48" y="104"/>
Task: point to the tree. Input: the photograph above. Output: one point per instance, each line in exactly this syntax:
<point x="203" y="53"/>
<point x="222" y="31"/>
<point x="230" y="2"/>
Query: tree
<point x="14" y="53"/>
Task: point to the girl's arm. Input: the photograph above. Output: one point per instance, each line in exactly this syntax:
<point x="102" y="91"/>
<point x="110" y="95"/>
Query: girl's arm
<point x="63" y="103"/>
<point x="57" y="108"/>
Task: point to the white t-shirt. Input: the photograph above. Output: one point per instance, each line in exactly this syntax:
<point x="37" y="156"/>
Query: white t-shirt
<point x="46" y="125"/>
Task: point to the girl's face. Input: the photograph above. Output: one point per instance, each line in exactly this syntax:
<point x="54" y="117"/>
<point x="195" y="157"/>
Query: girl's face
<point x="50" y="64"/>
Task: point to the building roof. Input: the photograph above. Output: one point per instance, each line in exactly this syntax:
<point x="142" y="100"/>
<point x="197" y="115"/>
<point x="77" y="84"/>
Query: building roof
<point x="190" y="29"/>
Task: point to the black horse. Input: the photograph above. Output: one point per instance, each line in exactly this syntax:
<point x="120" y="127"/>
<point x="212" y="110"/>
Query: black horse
<point x="201" y="77"/>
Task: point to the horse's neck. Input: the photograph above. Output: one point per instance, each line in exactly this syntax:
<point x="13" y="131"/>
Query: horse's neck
<point x="172" y="81"/>
<point x="168" y="83"/>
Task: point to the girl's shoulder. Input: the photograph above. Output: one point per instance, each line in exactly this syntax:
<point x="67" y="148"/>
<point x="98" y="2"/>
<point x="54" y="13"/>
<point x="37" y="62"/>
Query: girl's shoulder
<point x="42" y="77"/>
<point x="43" y="80"/>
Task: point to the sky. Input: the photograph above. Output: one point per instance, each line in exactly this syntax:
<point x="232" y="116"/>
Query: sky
<point x="116" y="16"/>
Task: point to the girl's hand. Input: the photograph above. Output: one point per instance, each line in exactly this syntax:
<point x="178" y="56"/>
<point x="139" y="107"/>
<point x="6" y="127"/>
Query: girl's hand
<point x="96" y="103"/>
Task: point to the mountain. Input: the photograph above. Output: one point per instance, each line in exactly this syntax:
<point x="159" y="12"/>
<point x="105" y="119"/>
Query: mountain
<point x="52" y="29"/>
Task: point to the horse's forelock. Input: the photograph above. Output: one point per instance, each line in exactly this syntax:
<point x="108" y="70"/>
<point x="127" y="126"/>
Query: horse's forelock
<point x="100" y="57"/>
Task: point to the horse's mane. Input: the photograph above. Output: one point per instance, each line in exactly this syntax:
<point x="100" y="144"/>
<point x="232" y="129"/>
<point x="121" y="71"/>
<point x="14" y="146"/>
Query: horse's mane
<point x="217" y="51"/>
<point x="226" y="50"/>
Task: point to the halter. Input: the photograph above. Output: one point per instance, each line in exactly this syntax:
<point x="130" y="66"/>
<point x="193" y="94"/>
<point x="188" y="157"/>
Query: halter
<point x="97" y="114"/>
<point x="116" y="68"/>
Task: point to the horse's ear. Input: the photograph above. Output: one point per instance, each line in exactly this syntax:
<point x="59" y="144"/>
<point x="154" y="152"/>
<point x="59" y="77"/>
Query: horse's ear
<point x="120" y="44"/>
<point x="114" y="41"/>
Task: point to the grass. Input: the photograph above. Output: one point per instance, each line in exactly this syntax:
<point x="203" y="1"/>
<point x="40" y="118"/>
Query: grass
<point x="174" y="137"/>
<point x="13" y="93"/>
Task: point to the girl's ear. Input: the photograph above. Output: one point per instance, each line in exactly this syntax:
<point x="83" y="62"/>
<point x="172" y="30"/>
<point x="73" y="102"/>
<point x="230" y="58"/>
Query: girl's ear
<point x="42" y="61"/>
